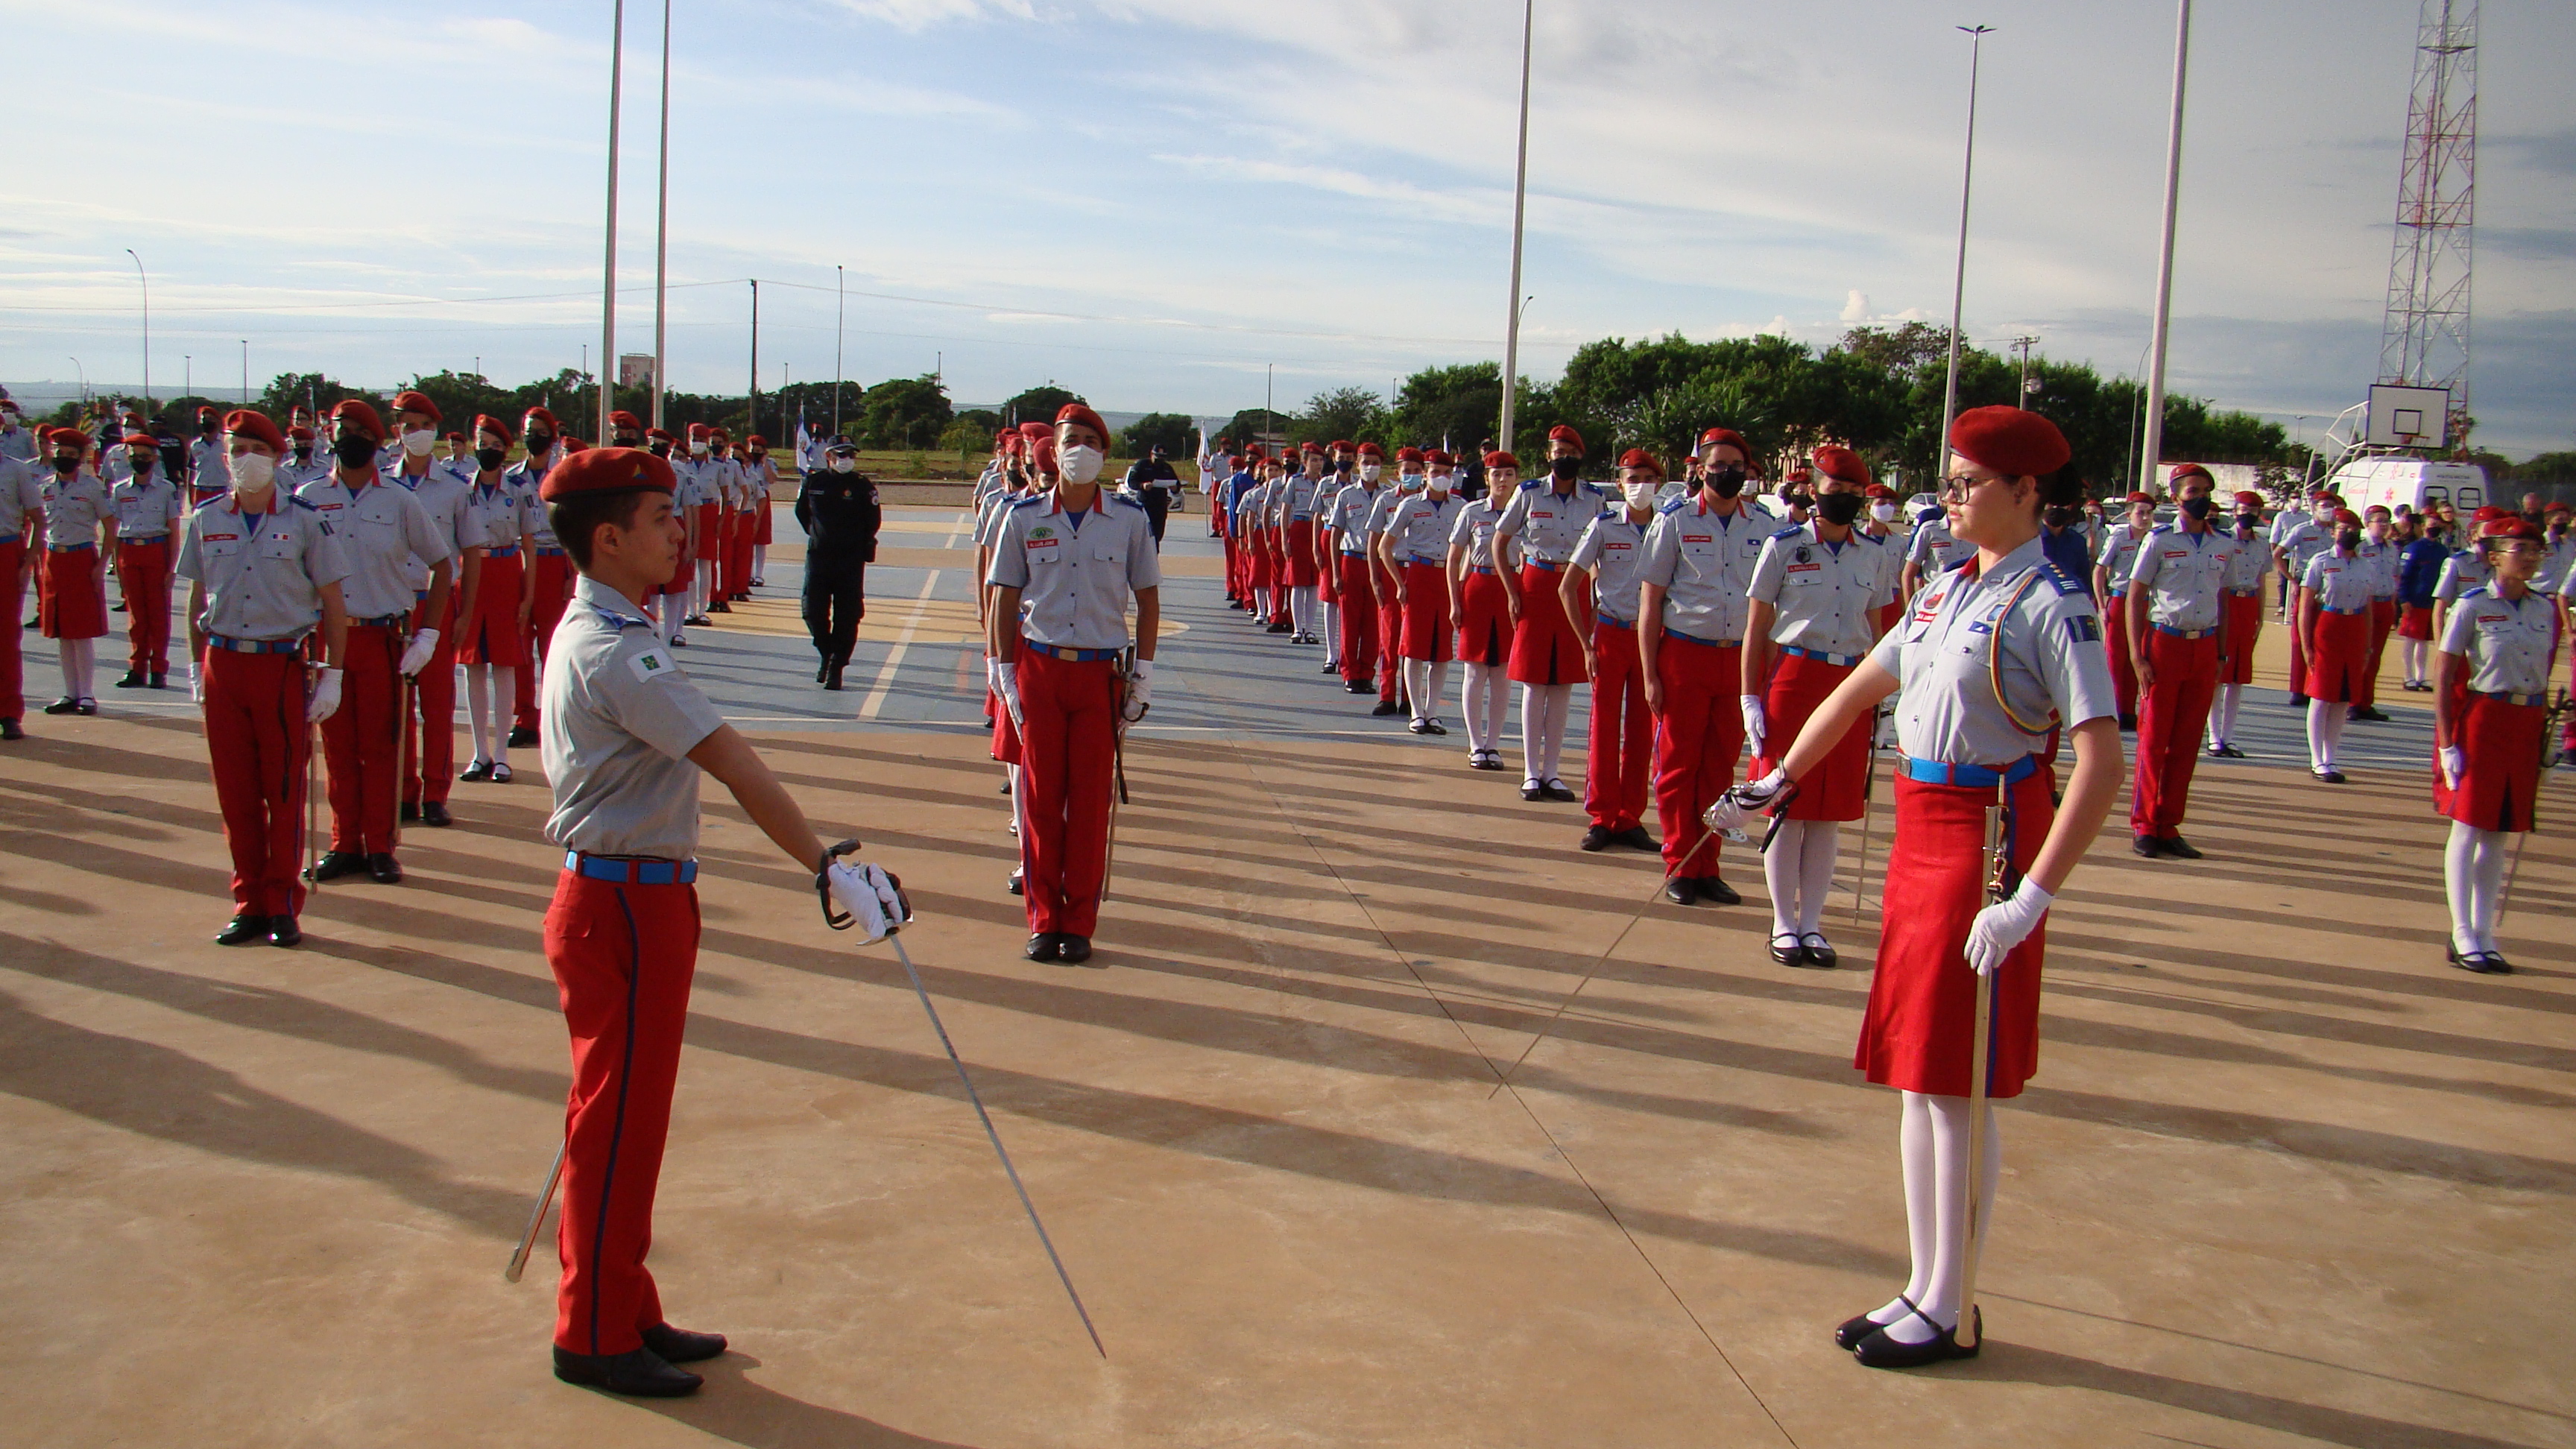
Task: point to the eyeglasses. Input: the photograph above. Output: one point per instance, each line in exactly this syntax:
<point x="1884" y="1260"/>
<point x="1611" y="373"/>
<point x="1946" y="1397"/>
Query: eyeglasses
<point x="1957" y="487"/>
<point x="2518" y="548"/>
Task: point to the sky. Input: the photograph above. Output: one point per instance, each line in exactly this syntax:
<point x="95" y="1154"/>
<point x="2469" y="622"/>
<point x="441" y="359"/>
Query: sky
<point x="1200" y="205"/>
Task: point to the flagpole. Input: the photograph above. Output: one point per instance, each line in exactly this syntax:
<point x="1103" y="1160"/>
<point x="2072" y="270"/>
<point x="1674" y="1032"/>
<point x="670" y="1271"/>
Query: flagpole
<point x="662" y="227"/>
<point x="1520" y="198"/>
<point x="608" y="288"/>
<point x="2152" y="451"/>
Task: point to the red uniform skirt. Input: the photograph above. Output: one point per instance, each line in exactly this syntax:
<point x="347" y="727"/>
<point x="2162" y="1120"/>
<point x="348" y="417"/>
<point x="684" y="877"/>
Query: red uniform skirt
<point x="1426" y="612"/>
<point x="2244" y="621"/>
<point x="1544" y="649"/>
<point x="2338" y="655"/>
<point x="1837" y="788"/>
<point x="492" y="635"/>
<point x="1485" y="634"/>
<point x="72" y="604"/>
<point x="1921" y="1021"/>
<point x="710" y="533"/>
<point x="1265" y="564"/>
<point x="1303" y="571"/>
<point x="768" y="515"/>
<point x="2415" y="621"/>
<point x="2502" y="741"/>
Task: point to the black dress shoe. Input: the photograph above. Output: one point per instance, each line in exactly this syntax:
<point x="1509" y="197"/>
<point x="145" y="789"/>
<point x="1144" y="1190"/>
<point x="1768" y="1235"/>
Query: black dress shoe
<point x="1598" y="837"/>
<point x="1420" y="727"/>
<point x="434" y="813"/>
<point x="1072" y="949"/>
<point x="409" y="812"/>
<point x="501" y="774"/>
<point x="2328" y="777"/>
<point x="2368" y="713"/>
<point x="9" y="729"/>
<point x="522" y="735"/>
<point x="1013" y="884"/>
<point x="1853" y="1330"/>
<point x="832" y="677"/>
<point x="1434" y="727"/>
<point x="476" y="772"/>
<point x="1386" y="707"/>
<point x="1555" y="790"/>
<point x="1043" y="945"/>
<point x="243" y="930"/>
<point x="2298" y="700"/>
<point x="382" y="867"/>
<point x="719" y="607"/>
<point x="2146" y="846"/>
<point x="161" y="680"/>
<point x="1333" y="668"/>
<point x="822" y="671"/>
<point x="1820" y="952"/>
<point x="1278" y="629"/>
<point x="1360" y="686"/>
<point x="2228" y="752"/>
<point x="1880" y="1351"/>
<point x="2485" y="963"/>
<point x="1713" y="889"/>
<point x="282" y="931"/>
<point x="335" y="864"/>
<point x="1636" y="838"/>
<point x="1791" y="954"/>
<point x="679" y="1345"/>
<point x="640" y="1373"/>
<point x="1682" y="890"/>
<point x="2179" y="848"/>
<point x="133" y="679"/>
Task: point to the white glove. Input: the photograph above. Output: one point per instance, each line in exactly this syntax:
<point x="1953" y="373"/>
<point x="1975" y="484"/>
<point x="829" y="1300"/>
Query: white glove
<point x="1743" y="802"/>
<point x="2455" y="763"/>
<point x="1005" y="678"/>
<point x="871" y="897"/>
<point x="326" y="698"/>
<point x="416" y="658"/>
<point x="196" y="685"/>
<point x="1757" y="726"/>
<point x="2006" y="924"/>
<point x="1140" y="696"/>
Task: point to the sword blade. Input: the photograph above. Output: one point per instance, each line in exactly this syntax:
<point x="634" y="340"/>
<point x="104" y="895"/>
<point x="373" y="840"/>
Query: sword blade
<point x="536" y="1219"/>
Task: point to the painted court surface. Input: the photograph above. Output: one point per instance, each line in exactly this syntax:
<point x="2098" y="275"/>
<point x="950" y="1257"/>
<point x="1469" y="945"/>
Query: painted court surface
<point x="2284" y="1178"/>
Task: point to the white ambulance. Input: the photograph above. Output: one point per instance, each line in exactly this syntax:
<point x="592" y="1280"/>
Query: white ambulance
<point x="2411" y="483"/>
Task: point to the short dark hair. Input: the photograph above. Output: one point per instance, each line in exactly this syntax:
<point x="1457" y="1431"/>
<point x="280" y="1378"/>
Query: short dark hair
<point x="576" y="519"/>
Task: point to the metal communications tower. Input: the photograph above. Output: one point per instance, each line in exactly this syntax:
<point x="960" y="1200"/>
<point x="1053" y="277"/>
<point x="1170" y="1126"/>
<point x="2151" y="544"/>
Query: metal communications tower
<point x="2425" y="341"/>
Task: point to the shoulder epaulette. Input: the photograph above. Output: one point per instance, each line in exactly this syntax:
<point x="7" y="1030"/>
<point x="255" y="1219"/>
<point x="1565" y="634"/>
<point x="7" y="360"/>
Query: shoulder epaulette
<point x="1673" y="506"/>
<point x="2065" y="583"/>
<point x="2160" y="528"/>
<point x="304" y="503"/>
<point x="1792" y="531"/>
<point x="1125" y="501"/>
<point x="1606" y="514"/>
<point x="1031" y="499"/>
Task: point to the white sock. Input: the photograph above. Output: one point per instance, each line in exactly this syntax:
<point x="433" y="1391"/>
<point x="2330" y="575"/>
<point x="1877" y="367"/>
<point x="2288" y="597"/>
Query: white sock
<point x="1939" y="1298"/>
<point x="760" y="560"/>
<point x="1558" y="702"/>
<point x="2460" y="884"/>
<point x="2413" y="653"/>
<point x="706" y="585"/>
<point x="1487" y="702"/>
<point x="76" y="656"/>
<point x="1261" y="602"/>
<point x="1816" y="873"/>
<point x="1417" y="685"/>
<point x="2486" y="899"/>
<point x="2325" y="731"/>
<point x="478" y="708"/>
<point x="505" y="703"/>
<point x="2222" y="719"/>
<point x="1783" y="866"/>
<point x="1328" y="626"/>
<point x="1922" y="1205"/>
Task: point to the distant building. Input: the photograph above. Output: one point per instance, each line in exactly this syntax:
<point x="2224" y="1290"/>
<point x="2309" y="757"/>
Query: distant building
<point x="635" y="369"/>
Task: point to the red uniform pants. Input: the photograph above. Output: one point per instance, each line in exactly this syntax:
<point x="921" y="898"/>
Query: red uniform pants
<point x="360" y="742"/>
<point x="1390" y="634"/>
<point x="2172" y="713"/>
<point x="2124" y="673"/>
<point x="257" y="744"/>
<point x="1623" y="732"/>
<point x="1070" y="710"/>
<point x="13" y="593"/>
<point x="553" y="572"/>
<point x="2383" y="621"/>
<point x="429" y="731"/>
<point x="143" y="573"/>
<point x="1357" y="617"/>
<point x="1698" y="738"/>
<point x="622" y="955"/>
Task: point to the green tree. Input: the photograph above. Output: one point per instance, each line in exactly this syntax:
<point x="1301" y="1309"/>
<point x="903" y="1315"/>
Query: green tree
<point x="1253" y="424"/>
<point x="1348" y="414"/>
<point x="289" y="390"/>
<point x="904" y="412"/>
<point x="1899" y="350"/>
<point x="1170" y="432"/>
<point x="1038" y="404"/>
<point x="1455" y="407"/>
<point x="462" y="395"/>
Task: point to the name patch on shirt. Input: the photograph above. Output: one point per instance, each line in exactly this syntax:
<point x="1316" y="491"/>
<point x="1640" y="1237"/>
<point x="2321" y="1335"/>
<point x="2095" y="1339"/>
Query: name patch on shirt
<point x="1043" y="537"/>
<point x="651" y="664"/>
<point x="1699" y="538"/>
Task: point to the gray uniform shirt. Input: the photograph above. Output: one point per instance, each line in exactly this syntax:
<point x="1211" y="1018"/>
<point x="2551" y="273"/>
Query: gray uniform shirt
<point x="22" y="492"/>
<point x="2464" y="570"/>
<point x="2342" y="582"/>
<point x="1822" y="595"/>
<point x="1474" y="531"/>
<point x="1549" y="524"/>
<point x="523" y="482"/>
<point x="1382" y="507"/>
<point x="383" y="529"/>
<point x="2508" y="643"/>
<point x="495" y="511"/>
<point x="1613" y="546"/>
<point x="2183" y="574"/>
<point x="1989" y="662"/>
<point x="1704" y="562"/>
<point x="443" y="498"/>
<point x="210" y="464"/>
<point x="263" y="572"/>
<point x="73" y="508"/>
<point x="2303" y="543"/>
<point x="145" y="509"/>
<point x="1074" y="583"/>
<point x="2382" y="559"/>
<point x="1418" y="529"/>
<point x="1292" y="499"/>
<point x="1933" y="550"/>
<point x="1353" y="510"/>
<point x="615" y="730"/>
<point x="2246" y="566"/>
<point x="2118" y="555"/>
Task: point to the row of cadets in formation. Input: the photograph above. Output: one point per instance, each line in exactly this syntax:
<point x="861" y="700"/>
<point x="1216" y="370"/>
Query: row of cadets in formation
<point x="724" y="503"/>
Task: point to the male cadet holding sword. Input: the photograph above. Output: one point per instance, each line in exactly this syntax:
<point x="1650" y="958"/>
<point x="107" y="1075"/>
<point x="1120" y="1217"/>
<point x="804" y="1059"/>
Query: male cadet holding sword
<point x="2177" y="637"/>
<point x="626" y="737"/>
<point x="429" y="729"/>
<point x="1074" y="554"/>
<point x="381" y="529"/>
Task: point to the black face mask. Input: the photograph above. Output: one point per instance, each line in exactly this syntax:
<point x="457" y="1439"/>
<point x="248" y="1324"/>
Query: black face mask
<point x="2061" y="517"/>
<point x="304" y="454"/>
<point x="354" y="451"/>
<point x="67" y="463"/>
<point x="629" y="440"/>
<point x="1797" y="500"/>
<point x="488" y="458"/>
<point x="660" y="449"/>
<point x="1564" y="469"/>
<point x="539" y="443"/>
<point x="143" y="462"/>
<point x="2196" y="508"/>
<point x="757" y="456"/>
<point x="1838" y="509"/>
<point x="1727" y="481"/>
<point x="2347" y="540"/>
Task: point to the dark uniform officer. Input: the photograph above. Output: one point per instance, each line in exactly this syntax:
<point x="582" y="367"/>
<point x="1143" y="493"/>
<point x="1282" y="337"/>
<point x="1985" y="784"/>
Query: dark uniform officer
<point x="839" y="511"/>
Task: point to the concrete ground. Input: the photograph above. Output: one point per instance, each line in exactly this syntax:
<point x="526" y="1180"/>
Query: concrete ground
<point x="1358" y="1130"/>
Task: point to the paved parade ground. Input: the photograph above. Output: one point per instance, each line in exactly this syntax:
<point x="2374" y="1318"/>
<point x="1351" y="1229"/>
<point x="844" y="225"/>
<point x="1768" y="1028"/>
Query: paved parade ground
<point x="1350" y="1134"/>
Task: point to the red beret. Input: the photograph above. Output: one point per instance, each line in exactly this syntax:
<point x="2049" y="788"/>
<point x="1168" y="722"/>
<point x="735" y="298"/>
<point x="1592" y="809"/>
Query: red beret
<point x="1042" y="455"/>
<point x="537" y="414"/>
<point x="1843" y="463"/>
<point x="1311" y="446"/>
<point x="409" y="401"/>
<point x="755" y="441"/>
<point x="57" y="437"/>
<point x="1500" y="459"/>
<point x="141" y="440"/>
<point x="2488" y="514"/>
<point x="575" y="445"/>
<point x="1562" y="433"/>
<point x="1408" y="455"/>
<point x="698" y="432"/>
<point x="2551" y="508"/>
<point x="1078" y="413"/>
<point x="300" y="433"/>
<point x="255" y="426"/>
<point x="1640" y="458"/>
<point x="2012" y="441"/>
<point x="2136" y="496"/>
<point x="486" y="423"/>
<point x="606" y="470"/>
<point x="202" y="413"/>
<point x="2346" y="515"/>
<point x="2246" y="498"/>
<point x="2512" y="525"/>
<point x="1234" y="460"/>
<point x="349" y="409"/>
<point x="662" y="433"/>
<point x="2335" y="500"/>
<point x="1802" y="475"/>
<point x="718" y="435"/>
<point x="1036" y="433"/>
<point x="1878" y="490"/>
<point x="624" y="419"/>
<point x="1339" y="445"/>
<point x="1438" y="455"/>
<point x="456" y="440"/>
<point x="2189" y="470"/>
<point x="1371" y="450"/>
<point x="1729" y="436"/>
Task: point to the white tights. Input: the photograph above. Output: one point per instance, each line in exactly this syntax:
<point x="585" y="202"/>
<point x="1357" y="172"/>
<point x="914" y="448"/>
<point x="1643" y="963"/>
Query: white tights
<point x="2326" y="720"/>
<point x="1799" y="867"/>
<point x="1932" y="1138"/>
<point x="1543" y="711"/>
<point x="2222" y="714"/>
<point x="1328" y="618"/>
<point x="491" y="692"/>
<point x="80" y="661"/>
<point x="1301" y="608"/>
<point x="2414" y="653"/>
<point x="706" y="590"/>
<point x="2473" y="876"/>
<point x="760" y="561"/>
<point x="1425" y="680"/>
<point x="1486" y="705"/>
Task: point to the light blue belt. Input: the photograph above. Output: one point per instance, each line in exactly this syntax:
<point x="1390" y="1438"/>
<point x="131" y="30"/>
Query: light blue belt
<point x="1839" y="661"/>
<point x="1974" y="777"/>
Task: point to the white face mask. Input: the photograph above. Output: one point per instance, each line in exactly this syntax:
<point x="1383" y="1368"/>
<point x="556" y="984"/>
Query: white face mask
<point x="1439" y="483"/>
<point x="253" y="471"/>
<point x="418" y="442"/>
<point x="1078" y="464"/>
<point x="845" y="465"/>
<point x="1369" y="472"/>
<point x="1883" y="511"/>
<point x="697" y="450"/>
<point x="1640" y="495"/>
<point x="1409" y="482"/>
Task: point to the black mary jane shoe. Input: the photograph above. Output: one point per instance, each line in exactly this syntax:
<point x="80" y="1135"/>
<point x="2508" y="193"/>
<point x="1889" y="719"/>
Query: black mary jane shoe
<point x="283" y="931"/>
<point x="2485" y="963"/>
<point x="433" y="813"/>
<point x="383" y="869"/>
<point x="1853" y="1330"/>
<point x="1434" y="727"/>
<point x="476" y="773"/>
<point x="501" y="774"/>
<point x="1420" y="727"/>
<point x="1597" y="838"/>
<point x="2228" y="752"/>
<point x="1792" y="954"/>
<point x="1682" y="890"/>
<point x="1532" y="790"/>
<point x="2179" y="848"/>
<point x="639" y="1373"/>
<point x="1713" y="889"/>
<point x="249" y="930"/>
<point x="64" y="705"/>
<point x="2328" y="777"/>
<point x="1555" y="790"/>
<point x="1043" y="946"/>
<point x="679" y="1345"/>
<point x="334" y="864"/>
<point x="1880" y="1351"/>
<point x="1073" y="950"/>
<point x="1820" y="952"/>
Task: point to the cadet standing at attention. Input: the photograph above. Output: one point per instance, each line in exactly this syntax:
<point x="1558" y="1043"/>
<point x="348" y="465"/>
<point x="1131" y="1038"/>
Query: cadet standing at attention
<point x="22" y="520"/>
<point x="2490" y="709"/>
<point x="71" y="606"/>
<point x="147" y="508"/>
<point x="1547" y="654"/>
<point x="446" y="499"/>
<point x="2177" y="609"/>
<point x="2243" y="622"/>
<point x="1599" y="593"/>
<point x="839" y="511"/>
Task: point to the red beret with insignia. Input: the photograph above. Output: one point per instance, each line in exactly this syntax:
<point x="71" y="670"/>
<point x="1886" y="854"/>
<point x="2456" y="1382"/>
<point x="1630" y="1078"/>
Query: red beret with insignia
<point x="1843" y="463"/>
<point x="542" y="415"/>
<point x="1730" y="437"/>
<point x="1438" y="455"/>
<point x="351" y="410"/>
<point x="2190" y="470"/>
<point x="2012" y="441"/>
<point x="486" y="423"/>
<point x="2512" y="525"/>
<point x="624" y="419"/>
<point x="1078" y="413"/>
<point x="256" y="426"/>
<point x="1640" y="458"/>
<point x="409" y="401"/>
<point x="1562" y="433"/>
<point x="606" y="470"/>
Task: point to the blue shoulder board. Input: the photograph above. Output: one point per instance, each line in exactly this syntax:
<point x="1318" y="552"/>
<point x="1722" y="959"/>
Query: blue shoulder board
<point x="2057" y="576"/>
<point x="1030" y="501"/>
<point x="2480" y="589"/>
<point x="1120" y="498"/>
<point x="304" y="503"/>
<point x="2160" y="528"/>
<point x="1675" y="506"/>
<point x="1607" y="514"/>
<point x="1791" y="532"/>
<point x="1961" y="565"/>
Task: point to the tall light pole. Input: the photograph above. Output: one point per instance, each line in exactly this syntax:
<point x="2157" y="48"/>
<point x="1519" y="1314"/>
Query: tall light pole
<point x="2021" y="393"/>
<point x="2151" y="452"/>
<point x="187" y="375"/>
<point x="608" y="286"/>
<point x="753" y="402"/>
<point x="245" y="342"/>
<point x="84" y="380"/>
<point x="147" y="329"/>
<point x="840" y="309"/>
<point x="662" y="225"/>
<point x="1959" y="282"/>
<point x="1520" y="199"/>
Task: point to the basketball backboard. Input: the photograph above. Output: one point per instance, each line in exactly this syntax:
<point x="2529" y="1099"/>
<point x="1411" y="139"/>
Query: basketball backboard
<point x="2408" y="417"/>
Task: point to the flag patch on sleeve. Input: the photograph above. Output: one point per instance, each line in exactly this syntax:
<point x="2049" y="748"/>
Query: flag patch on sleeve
<point x="2084" y="629"/>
